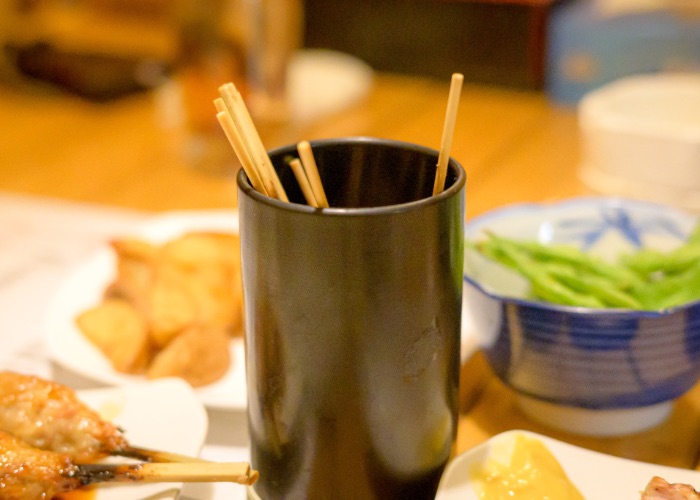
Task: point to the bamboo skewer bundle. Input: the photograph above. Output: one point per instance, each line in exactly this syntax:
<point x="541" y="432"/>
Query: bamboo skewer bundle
<point x="233" y="116"/>
<point x="241" y="133"/>
<point x="235" y="120"/>
<point x="234" y="137"/>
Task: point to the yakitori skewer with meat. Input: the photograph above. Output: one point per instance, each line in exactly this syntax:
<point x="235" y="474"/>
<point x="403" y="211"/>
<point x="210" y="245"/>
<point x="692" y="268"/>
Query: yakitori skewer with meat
<point x="27" y="473"/>
<point x="50" y="416"/>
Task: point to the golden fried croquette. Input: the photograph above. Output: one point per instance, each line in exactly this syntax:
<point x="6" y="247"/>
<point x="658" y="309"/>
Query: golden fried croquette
<point x="200" y="355"/>
<point x="186" y="294"/>
<point x="117" y="328"/>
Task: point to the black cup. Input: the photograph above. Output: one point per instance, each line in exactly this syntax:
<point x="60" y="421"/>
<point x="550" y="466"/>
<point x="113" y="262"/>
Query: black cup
<point x="353" y="318"/>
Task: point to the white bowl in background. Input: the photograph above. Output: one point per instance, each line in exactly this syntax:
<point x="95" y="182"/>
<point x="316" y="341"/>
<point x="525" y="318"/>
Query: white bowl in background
<point x="641" y="138"/>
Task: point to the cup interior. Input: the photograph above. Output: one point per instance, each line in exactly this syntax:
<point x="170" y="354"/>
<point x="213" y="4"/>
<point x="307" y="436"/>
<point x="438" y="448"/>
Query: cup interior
<point x="366" y="172"/>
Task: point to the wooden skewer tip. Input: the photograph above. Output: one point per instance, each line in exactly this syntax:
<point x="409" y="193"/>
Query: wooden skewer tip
<point x="448" y="132"/>
<point x="306" y="156"/>
<point x="303" y="181"/>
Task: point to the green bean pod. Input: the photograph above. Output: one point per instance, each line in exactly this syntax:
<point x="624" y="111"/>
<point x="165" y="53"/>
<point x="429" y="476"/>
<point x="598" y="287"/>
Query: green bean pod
<point x="544" y="286"/>
<point x="575" y="256"/>
<point x="648" y="261"/>
<point x="597" y="286"/>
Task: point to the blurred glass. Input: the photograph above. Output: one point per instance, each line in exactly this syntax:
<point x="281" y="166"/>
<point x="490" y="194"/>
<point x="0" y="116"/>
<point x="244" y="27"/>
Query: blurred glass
<point x="211" y="51"/>
<point x="247" y="42"/>
<point x="276" y="35"/>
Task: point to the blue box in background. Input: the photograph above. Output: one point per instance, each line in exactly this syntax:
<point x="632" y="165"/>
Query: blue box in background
<point x="587" y="49"/>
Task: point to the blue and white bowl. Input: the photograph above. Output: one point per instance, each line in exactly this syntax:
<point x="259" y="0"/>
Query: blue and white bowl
<point x="588" y="371"/>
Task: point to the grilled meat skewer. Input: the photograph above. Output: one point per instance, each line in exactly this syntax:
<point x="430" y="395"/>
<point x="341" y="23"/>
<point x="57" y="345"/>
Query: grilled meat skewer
<point x="50" y="416"/>
<point x="27" y="473"/>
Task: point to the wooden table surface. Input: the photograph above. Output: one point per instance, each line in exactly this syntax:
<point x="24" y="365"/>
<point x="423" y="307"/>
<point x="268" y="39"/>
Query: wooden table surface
<point x="515" y="147"/>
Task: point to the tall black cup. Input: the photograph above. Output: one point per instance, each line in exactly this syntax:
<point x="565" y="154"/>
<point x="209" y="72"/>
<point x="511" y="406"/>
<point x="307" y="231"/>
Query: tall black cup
<point x="353" y="323"/>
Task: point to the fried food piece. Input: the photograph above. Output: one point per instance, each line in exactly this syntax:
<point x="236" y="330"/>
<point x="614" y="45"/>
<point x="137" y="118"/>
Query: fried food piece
<point x="209" y="267"/>
<point x="50" y="416"/>
<point x="136" y="264"/>
<point x="27" y="473"/>
<point x="200" y="355"/>
<point x="171" y="288"/>
<point x="117" y="328"/>
<point x="171" y="308"/>
<point x="197" y="280"/>
<point x="660" y="489"/>
<point x="195" y="249"/>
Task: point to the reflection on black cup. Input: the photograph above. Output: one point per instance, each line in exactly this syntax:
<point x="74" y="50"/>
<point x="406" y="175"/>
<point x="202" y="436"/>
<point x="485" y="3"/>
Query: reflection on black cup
<point x="353" y="323"/>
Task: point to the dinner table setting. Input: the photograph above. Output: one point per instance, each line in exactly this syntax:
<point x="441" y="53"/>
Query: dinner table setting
<point x="77" y="175"/>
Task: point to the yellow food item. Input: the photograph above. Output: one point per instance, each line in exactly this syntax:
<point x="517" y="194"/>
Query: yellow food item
<point x="199" y="355"/>
<point x="532" y="473"/>
<point x="118" y="330"/>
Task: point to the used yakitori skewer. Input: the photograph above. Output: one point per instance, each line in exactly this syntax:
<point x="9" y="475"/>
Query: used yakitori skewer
<point x="448" y="132"/>
<point x="50" y="416"/>
<point x="236" y="112"/>
<point x="309" y="162"/>
<point x="236" y="141"/>
<point x="251" y="140"/>
<point x="27" y="473"/>
<point x="303" y="181"/>
<point x="180" y="472"/>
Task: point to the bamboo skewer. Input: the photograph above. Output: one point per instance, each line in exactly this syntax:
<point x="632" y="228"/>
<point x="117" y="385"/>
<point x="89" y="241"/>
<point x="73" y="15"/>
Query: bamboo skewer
<point x="234" y="138"/>
<point x="253" y="144"/>
<point x="228" y="95"/>
<point x="157" y="456"/>
<point x="303" y="181"/>
<point x="309" y="162"/>
<point x="194" y="472"/>
<point x="238" y="126"/>
<point x="448" y="132"/>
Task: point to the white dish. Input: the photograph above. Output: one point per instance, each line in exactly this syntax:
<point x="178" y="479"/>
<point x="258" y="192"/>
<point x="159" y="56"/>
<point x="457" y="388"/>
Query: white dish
<point x="151" y="413"/>
<point x="596" y="475"/>
<point x="84" y="288"/>
<point x="641" y="138"/>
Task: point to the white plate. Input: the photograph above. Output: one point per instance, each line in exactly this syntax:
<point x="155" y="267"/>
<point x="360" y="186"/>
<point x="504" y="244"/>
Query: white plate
<point x="161" y="415"/>
<point x="84" y="288"/>
<point x="596" y="475"/>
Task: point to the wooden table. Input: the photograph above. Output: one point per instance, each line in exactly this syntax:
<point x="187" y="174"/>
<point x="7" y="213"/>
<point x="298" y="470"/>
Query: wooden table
<point x="515" y="146"/>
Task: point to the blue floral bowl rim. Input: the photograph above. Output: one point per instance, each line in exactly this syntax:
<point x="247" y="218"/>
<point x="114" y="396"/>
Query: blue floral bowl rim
<point x="501" y="212"/>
